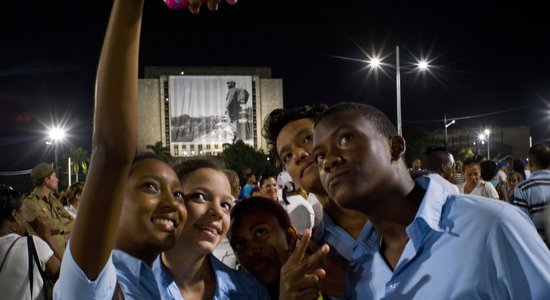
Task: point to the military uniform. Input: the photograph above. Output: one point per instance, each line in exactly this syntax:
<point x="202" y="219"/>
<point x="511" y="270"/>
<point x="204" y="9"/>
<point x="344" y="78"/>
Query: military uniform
<point x="62" y="222"/>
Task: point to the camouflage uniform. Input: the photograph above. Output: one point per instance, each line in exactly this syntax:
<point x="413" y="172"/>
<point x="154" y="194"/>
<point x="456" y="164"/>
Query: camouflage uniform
<point x="62" y="222"/>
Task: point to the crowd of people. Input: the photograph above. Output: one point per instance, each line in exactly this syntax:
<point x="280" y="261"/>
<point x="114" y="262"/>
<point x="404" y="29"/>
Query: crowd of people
<point x="350" y="221"/>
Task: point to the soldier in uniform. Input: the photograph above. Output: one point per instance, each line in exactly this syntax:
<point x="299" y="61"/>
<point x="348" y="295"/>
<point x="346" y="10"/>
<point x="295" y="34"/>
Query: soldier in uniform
<point x="42" y="202"/>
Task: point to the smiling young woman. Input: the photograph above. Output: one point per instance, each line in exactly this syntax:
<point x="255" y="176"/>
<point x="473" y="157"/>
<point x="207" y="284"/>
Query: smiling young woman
<point x="190" y="270"/>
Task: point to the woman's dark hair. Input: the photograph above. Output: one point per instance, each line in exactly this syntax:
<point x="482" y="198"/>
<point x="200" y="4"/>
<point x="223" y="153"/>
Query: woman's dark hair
<point x="469" y="162"/>
<point x="75" y="189"/>
<point x="488" y="169"/>
<point x="256" y="204"/>
<point x="143" y="156"/>
<point x="10" y="200"/>
<point x="519" y="167"/>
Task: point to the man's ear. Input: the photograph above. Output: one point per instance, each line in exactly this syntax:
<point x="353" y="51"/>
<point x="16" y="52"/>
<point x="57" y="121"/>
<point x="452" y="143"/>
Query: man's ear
<point x="397" y="145"/>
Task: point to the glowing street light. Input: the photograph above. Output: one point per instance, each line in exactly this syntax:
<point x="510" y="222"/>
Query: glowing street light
<point x="485" y="136"/>
<point x="447" y="125"/>
<point x="57" y="134"/>
<point x="422" y="66"/>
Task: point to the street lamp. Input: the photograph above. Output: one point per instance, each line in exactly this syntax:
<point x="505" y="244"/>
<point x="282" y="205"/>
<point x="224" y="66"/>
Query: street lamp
<point x="447" y="125"/>
<point x="485" y="136"/>
<point x="422" y="66"/>
<point x="57" y="134"/>
<point x="487" y="132"/>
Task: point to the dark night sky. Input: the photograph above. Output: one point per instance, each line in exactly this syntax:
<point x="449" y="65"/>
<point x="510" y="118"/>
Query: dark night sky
<point x="487" y="57"/>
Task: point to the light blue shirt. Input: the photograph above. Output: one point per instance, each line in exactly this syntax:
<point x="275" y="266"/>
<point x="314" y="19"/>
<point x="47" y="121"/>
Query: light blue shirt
<point x="135" y="279"/>
<point x="460" y="247"/>
<point x="230" y="283"/>
<point x="340" y="241"/>
<point x="335" y="236"/>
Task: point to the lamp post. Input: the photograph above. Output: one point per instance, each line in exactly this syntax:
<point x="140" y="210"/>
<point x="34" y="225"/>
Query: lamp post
<point x="422" y="65"/>
<point x="487" y="133"/>
<point x="486" y="136"/>
<point x="447" y="125"/>
<point x="57" y="135"/>
<point x="398" y="89"/>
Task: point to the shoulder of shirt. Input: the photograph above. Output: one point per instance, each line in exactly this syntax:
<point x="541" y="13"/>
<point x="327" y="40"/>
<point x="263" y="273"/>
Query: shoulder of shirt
<point x="33" y="195"/>
<point x="233" y="279"/>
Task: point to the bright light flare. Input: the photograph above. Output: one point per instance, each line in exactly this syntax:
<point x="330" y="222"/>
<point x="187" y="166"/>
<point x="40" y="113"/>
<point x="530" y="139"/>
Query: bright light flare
<point x="487" y="132"/>
<point x="374" y="63"/>
<point x="481" y="137"/>
<point x="423" y="65"/>
<point x="57" y="134"/>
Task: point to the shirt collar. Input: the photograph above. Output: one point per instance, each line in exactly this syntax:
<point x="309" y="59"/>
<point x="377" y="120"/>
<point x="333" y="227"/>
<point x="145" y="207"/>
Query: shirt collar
<point x="431" y="207"/>
<point x="540" y="173"/>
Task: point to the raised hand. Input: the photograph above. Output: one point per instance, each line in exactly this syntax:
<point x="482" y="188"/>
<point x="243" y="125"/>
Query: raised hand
<point x="194" y="5"/>
<point x="300" y="275"/>
<point x="335" y="267"/>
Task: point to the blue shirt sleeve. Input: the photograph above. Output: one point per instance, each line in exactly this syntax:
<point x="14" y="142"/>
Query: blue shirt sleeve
<point x="74" y="284"/>
<point x="518" y="262"/>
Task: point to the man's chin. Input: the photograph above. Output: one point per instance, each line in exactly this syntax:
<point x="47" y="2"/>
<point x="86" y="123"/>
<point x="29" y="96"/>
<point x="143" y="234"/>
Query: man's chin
<point x="314" y="186"/>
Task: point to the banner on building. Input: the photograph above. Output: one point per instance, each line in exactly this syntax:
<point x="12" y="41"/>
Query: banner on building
<point x="211" y="109"/>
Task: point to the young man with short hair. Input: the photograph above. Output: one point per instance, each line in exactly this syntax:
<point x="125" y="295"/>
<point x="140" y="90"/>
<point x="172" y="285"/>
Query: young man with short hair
<point x="289" y="135"/>
<point x="422" y="241"/>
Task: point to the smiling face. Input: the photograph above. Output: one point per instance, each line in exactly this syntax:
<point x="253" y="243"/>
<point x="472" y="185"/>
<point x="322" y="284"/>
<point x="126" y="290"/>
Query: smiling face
<point x="268" y="188"/>
<point x="294" y="148"/>
<point x="208" y="200"/>
<point x="354" y="159"/>
<point x="153" y="213"/>
<point x="260" y="244"/>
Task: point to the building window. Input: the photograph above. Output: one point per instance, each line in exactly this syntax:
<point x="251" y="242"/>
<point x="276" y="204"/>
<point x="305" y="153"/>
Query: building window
<point x="166" y="103"/>
<point x="254" y="123"/>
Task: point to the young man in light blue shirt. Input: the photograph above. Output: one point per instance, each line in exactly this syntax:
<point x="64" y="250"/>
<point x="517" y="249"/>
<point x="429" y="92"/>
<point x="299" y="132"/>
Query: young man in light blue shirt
<point x="289" y="134"/>
<point x="421" y="242"/>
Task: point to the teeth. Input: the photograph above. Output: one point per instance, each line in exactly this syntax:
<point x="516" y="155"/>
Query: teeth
<point x="161" y="221"/>
<point x="210" y="229"/>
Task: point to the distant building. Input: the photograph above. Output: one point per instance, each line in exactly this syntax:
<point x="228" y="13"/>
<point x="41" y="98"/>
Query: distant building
<point x="514" y="141"/>
<point x="195" y="110"/>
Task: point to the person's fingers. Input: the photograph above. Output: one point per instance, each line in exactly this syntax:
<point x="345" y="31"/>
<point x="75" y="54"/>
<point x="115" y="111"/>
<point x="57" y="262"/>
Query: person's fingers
<point x="300" y="250"/>
<point x="306" y="294"/>
<point x="313" y="246"/>
<point x="194" y="6"/>
<point x="320" y="273"/>
<point x="213" y="4"/>
<point x="313" y="260"/>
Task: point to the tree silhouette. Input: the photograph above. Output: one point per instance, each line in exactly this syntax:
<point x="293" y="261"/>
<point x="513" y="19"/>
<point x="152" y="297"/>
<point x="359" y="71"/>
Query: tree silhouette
<point x="238" y="156"/>
<point x="161" y="150"/>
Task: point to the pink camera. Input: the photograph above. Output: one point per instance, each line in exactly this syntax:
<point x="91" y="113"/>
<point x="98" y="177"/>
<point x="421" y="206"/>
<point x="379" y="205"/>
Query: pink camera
<point x="177" y="4"/>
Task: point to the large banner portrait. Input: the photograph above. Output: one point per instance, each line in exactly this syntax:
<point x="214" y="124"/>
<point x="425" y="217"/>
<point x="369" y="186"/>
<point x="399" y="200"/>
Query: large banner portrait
<point x="211" y="109"/>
